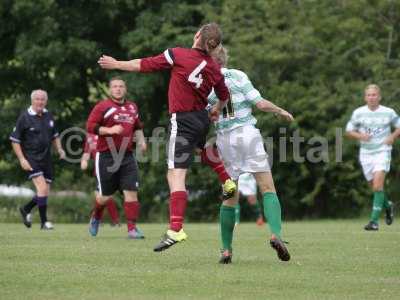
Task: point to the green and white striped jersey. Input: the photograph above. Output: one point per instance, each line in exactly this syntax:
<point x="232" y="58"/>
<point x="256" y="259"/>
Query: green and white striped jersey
<point x="377" y="124"/>
<point x="237" y="112"/>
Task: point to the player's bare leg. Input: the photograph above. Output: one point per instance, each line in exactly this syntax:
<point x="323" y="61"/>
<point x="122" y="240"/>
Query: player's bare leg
<point x="97" y="214"/>
<point x="252" y="200"/>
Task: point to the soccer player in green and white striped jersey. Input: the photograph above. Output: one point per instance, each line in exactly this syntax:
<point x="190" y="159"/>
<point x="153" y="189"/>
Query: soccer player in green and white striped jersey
<point x="371" y="125"/>
<point x="242" y="150"/>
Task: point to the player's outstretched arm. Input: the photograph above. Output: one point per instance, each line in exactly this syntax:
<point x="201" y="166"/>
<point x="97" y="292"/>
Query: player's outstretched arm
<point x="110" y="63"/>
<point x="268" y="106"/>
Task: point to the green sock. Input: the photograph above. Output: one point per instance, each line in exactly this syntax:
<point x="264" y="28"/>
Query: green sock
<point x="227" y="224"/>
<point x="272" y="212"/>
<point x="256" y="209"/>
<point x="237" y="213"/>
<point x="386" y="202"/>
<point x="379" y="199"/>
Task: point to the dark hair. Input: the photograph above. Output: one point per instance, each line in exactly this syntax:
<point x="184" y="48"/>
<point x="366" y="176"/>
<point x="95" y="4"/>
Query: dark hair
<point x="211" y="37"/>
<point x="116" y="78"/>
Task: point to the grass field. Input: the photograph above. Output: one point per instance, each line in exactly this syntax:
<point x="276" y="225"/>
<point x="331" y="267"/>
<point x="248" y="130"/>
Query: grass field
<point x="330" y="260"/>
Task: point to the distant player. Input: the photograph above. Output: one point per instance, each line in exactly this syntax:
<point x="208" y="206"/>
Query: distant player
<point x="89" y="152"/>
<point x="247" y="186"/>
<point x="193" y="75"/>
<point x="115" y="120"/>
<point x="242" y="150"/>
<point x="31" y="140"/>
<point x="371" y="126"/>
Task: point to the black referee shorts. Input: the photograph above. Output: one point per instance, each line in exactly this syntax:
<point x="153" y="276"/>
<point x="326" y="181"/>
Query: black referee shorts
<point x="187" y="131"/>
<point x="41" y="168"/>
<point x="113" y="176"/>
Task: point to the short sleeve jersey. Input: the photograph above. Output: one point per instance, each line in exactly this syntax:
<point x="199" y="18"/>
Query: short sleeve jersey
<point x="108" y="113"/>
<point x="377" y="124"/>
<point x="238" y="111"/>
<point x="193" y="75"/>
<point x="35" y="132"/>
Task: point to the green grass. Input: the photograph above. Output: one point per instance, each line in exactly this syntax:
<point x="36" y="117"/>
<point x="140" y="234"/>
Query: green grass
<point x="330" y="260"/>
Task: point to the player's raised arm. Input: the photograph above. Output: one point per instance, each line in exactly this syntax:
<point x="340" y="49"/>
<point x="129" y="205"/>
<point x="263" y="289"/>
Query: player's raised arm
<point x="110" y="63"/>
<point x="159" y="62"/>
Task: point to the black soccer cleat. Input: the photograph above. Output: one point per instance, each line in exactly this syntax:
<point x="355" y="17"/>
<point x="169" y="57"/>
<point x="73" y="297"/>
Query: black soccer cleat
<point x="226" y="257"/>
<point x="279" y="246"/>
<point x="25" y="219"/>
<point x="389" y="214"/>
<point x="371" y="226"/>
<point x="169" y="239"/>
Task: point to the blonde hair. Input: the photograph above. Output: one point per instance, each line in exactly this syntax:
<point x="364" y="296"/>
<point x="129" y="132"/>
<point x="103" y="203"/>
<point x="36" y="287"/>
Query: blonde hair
<point x="221" y="55"/>
<point x="37" y="92"/>
<point x="373" y="86"/>
<point x="210" y="37"/>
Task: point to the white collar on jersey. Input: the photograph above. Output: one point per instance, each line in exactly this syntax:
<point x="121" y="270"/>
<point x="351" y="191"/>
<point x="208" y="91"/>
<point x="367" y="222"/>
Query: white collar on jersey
<point x="376" y="109"/>
<point x="34" y="113"/>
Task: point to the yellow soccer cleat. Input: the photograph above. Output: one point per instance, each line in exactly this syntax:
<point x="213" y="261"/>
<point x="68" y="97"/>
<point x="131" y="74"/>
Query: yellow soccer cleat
<point x="169" y="239"/>
<point x="229" y="189"/>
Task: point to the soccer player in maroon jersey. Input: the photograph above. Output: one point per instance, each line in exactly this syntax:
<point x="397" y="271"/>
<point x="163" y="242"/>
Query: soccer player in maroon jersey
<point x="89" y="152"/>
<point x="115" y="120"/>
<point x="193" y="75"/>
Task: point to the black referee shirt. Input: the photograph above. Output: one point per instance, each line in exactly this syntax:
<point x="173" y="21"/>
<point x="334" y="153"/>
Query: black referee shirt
<point x="35" y="134"/>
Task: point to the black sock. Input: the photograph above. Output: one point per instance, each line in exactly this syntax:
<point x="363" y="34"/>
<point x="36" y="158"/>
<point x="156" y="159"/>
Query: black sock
<point x="43" y="213"/>
<point x="28" y="207"/>
<point x="42" y="205"/>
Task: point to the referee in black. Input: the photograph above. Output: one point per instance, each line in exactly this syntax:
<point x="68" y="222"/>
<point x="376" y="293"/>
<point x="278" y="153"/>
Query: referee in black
<point x="31" y="140"/>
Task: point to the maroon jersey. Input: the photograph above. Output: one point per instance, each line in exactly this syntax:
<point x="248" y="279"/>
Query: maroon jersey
<point x="91" y="145"/>
<point x="108" y="113"/>
<point x="193" y="75"/>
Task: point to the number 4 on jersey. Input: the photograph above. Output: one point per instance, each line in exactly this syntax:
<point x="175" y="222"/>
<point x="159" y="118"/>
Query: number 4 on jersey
<point x="196" y="76"/>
